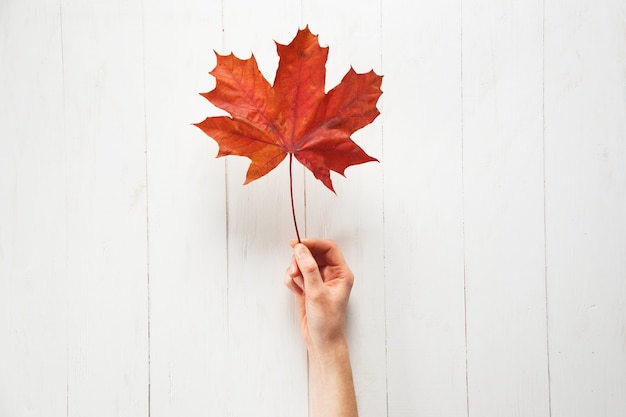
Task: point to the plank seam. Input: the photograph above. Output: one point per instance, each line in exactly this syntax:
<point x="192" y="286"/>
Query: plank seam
<point x="467" y="400"/>
<point x="545" y="228"/>
<point x="147" y="201"/>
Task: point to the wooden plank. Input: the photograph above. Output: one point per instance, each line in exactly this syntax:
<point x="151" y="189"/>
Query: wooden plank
<point x="423" y="208"/>
<point x="33" y="348"/>
<point x="224" y="339"/>
<point x="107" y="231"/>
<point x="354" y="216"/>
<point x="267" y="360"/>
<point x="187" y="213"/>
<point x="585" y="204"/>
<point x="503" y="205"/>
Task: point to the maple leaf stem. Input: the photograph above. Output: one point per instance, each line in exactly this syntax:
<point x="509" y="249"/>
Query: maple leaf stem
<point x="293" y="208"/>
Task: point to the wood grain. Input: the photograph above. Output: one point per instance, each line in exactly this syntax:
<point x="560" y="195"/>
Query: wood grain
<point x="422" y="167"/>
<point x="106" y="212"/>
<point x="186" y="212"/>
<point x="33" y="213"/>
<point x="585" y="204"/>
<point x="504" y="209"/>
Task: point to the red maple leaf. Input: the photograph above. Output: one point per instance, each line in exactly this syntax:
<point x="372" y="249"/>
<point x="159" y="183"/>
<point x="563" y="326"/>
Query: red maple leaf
<point x="294" y="116"/>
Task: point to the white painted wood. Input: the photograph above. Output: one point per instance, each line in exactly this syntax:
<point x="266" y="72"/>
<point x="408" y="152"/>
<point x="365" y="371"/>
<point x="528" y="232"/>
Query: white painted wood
<point x="585" y="69"/>
<point x="267" y="360"/>
<point x="106" y="213"/>
<point x="139" y="277"/>
<point x="187" y="213"/>
<point x="423" y="208"/>
<point x="33" y="285"/>
<point x="503" y="208"/>
<point x="354" y="216"/>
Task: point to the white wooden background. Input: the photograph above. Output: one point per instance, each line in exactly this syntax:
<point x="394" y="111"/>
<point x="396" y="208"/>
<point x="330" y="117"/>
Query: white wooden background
<point x="138" y="277"/>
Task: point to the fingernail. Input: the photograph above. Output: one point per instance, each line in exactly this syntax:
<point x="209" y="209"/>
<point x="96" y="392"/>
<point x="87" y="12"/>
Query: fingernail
<point x="301" y="250"/>
<point x="292" y="269"/>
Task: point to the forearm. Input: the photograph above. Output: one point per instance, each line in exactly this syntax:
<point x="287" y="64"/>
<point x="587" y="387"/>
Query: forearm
<point x="332" y="386"/>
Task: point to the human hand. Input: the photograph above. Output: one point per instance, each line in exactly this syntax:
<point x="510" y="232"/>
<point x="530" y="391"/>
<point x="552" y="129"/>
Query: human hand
<point x="322" y="281"/>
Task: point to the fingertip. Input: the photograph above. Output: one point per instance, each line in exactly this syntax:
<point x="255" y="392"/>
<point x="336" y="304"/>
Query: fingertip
<point x="292" y="285"/>
<point x="295" y="290"/>
<point x="288" y="273"/>
<point x="307" y="241"/>
<point x="299" y="282"/>
<point x="292" y="270"/>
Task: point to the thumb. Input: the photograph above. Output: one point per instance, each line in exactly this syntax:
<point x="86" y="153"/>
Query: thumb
<point x="308" y="267"/>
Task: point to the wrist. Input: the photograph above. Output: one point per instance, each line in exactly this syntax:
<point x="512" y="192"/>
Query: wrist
<point x="330" y="349"/>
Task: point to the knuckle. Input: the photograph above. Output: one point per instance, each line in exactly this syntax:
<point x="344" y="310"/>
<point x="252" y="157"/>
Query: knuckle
<point x="349" y="280"/>
<point x="317" y="297"/>
<point x="308" y="266"/>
